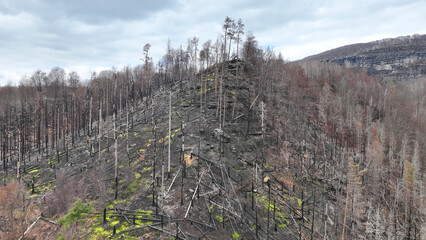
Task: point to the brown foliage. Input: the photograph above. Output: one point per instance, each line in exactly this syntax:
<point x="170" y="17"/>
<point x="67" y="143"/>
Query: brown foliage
<point x="66" y="192"/>
<point x="15" y="211"/>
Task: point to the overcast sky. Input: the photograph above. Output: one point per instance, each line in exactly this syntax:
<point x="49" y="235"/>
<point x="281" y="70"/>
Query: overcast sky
<point x="92" y="35"/>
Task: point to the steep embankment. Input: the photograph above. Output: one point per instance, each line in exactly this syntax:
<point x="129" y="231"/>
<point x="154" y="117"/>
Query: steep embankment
<point x="292" y="154"/>
<point x="215" y="188"/>
<point x="402" y="58"/>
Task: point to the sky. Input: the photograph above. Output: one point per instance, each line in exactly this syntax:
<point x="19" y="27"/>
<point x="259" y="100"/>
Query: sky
<point x="95" y="35"/>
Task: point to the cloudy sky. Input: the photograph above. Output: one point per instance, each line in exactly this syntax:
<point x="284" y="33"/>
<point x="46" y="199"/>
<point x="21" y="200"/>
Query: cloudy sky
<point x="91" y="35"/>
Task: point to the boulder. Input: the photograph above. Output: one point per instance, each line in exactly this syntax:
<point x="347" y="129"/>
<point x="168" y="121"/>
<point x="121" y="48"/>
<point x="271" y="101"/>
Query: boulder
<point x="221" y="135"/>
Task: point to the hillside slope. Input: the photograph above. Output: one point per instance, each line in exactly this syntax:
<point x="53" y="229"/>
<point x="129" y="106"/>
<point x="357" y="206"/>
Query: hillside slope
<point x="401" y="58"/>
<point x="215" y="188"/>
<point x="292" y="154"/>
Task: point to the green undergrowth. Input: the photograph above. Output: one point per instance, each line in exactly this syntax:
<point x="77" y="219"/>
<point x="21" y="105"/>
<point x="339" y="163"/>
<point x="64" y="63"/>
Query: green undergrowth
<point x="99" y="230"/>
<point x="77" y="214"/>
<point x="236" y="236"/>
<point x="138" y="181"/>
<point x="279" y="214"/>
<point x="299" y="202"/>
<point x="33" y="171"/>
<point x="40" y="189"/>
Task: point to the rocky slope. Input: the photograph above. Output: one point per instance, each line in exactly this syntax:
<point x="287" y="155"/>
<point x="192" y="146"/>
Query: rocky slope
<point x="285" y="165"/>
<point x="216" y="187"/>
<point x="402" y="58"/>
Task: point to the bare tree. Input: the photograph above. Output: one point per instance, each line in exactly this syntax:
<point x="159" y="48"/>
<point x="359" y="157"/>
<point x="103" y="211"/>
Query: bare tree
<point x="73" y="80"/>
<point x="37" y="79"/>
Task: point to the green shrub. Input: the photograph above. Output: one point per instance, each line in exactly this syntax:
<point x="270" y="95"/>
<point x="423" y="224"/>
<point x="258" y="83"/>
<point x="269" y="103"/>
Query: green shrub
<point x="236" y="235"/>
<point x="60" y="237"/>
<point x="76" y="214"/>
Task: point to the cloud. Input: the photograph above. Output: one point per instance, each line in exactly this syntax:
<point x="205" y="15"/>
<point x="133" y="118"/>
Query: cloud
<point x="92" y="35"/>
<point x="338" y="23"/>
<point x="90" y="11"/>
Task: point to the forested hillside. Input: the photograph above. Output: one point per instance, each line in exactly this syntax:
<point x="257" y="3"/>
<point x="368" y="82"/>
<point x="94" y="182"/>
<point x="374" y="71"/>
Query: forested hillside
<point x="220" y="140"/>
<point x="392" y="59"/>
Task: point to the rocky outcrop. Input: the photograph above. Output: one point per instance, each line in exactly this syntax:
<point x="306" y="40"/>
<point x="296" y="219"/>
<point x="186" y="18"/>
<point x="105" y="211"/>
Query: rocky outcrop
<point x="221" y="135"/>
<point x="401" y="58"/>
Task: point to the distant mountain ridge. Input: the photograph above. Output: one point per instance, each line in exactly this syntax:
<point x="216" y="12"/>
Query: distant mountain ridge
<point x="402" y="58"/>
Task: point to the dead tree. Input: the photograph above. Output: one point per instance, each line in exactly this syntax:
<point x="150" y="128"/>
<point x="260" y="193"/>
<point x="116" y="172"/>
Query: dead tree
<point x="170" y="129"/>
<point x="100" y="131"/>
<point x="115" y="152"/>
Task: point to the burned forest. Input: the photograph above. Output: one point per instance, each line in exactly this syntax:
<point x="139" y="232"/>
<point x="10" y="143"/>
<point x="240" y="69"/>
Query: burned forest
<point x="218" y="140"/>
